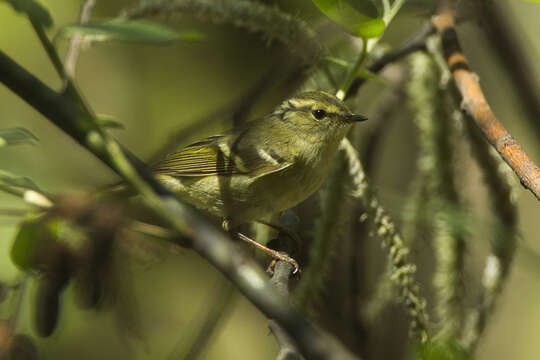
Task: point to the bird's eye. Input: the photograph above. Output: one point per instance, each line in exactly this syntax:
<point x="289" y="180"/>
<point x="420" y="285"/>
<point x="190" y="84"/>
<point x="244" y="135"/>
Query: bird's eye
<point x="318" y="114"/>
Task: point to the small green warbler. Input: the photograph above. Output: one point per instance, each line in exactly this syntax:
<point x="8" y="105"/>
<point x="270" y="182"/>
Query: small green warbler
<point x="268" y="166"/>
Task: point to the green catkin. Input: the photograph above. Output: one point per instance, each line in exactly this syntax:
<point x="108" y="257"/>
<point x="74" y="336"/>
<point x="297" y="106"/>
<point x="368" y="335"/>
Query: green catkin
<point x="253" y="16"/>
<point x="402" y="271"/>
<point x="435" y="166"/>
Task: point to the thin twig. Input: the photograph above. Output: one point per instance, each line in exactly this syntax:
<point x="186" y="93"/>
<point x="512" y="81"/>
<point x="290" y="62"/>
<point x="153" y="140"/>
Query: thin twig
<point x="417" y="43"/>
<point x="476" y="105"/>
<point x="367" y="46"/>
<point x="77" y="40"/>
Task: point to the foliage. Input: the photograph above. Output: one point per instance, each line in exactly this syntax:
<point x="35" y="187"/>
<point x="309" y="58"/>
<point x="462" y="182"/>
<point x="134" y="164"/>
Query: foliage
<point x="128" y="31"/>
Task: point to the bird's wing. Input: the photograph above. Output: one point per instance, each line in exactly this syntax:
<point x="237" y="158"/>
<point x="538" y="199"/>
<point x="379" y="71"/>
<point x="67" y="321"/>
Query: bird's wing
<point x="213" y="156"/>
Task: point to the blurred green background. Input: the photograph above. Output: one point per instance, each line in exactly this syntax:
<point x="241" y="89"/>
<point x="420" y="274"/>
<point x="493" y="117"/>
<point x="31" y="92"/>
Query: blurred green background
<point x="155" y="91"/>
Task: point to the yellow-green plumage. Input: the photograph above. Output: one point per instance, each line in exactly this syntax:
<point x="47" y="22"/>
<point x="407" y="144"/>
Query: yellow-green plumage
<point x="270" y="165"/>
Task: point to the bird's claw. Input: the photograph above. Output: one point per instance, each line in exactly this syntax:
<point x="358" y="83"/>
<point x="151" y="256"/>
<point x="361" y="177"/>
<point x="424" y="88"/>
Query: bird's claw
<point x="279" y="256"/>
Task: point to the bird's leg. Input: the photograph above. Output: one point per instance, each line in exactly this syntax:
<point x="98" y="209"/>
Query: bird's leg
<point x="273" y="253"/>
<point x="290" y="234"/>
<point x="276" y="255"/>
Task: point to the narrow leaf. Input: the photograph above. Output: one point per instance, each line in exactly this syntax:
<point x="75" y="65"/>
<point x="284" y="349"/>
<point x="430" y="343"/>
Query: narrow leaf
<point x="128" y="31"/>
<point x="337" y="61"/>
<point x="12" y="180"/>
<point x="33" y="9"/>
<point x="369" y="75"/>
<point x="354" y="16"/>
<point x="16" y="136"/>
<point x="108" y="122"/>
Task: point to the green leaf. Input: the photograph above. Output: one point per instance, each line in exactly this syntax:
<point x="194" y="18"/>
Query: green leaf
<point x="12" y="180"/>
<point x="369" y="75"/>
<point x="108" y="122"/>
<point x="354" y="15"/>
<point x="128" y="31"/>
<point x="33" y="9"/>
<point x="29" y="243"/>
<point x="337" y="61"/>
<point x="371" y="28"/>
<point x="16" y="136"/>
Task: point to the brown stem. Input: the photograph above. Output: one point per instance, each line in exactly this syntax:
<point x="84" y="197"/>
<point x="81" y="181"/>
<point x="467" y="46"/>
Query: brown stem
<point x="476" y="105"/>
<point x="505" y="41"/>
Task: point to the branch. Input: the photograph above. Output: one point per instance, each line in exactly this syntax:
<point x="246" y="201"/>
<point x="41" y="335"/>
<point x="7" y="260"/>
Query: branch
<point x="417" y="43"/>
<point x="476" y="105"/>
<point x="505" y="40"/>
<point x="76" y="42"/>
<point x="208" y="241"/>
<point x="280" y="279"/>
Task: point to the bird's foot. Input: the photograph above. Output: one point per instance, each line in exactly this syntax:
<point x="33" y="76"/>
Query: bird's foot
<point x="285" y="258"/>
<point x="277" y="255"/>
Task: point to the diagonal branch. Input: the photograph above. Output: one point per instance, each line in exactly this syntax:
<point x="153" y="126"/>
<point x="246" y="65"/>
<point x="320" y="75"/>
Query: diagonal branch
<point x="211" y="243"/>
<point x="476" y="105"/>
<point x="507" y="43"/>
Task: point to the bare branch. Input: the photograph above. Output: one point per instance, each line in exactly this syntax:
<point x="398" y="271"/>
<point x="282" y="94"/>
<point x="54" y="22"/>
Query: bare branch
<point x="505" y="40"/>
<point x="280" y="279"/>
<point x="476" y="105"/>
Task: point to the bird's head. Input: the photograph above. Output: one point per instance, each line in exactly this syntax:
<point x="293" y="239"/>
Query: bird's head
<point x="317" y="110"/>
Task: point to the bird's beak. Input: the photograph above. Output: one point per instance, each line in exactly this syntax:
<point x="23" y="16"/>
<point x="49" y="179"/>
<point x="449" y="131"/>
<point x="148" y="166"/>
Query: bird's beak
<point x="353" y="117"/>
